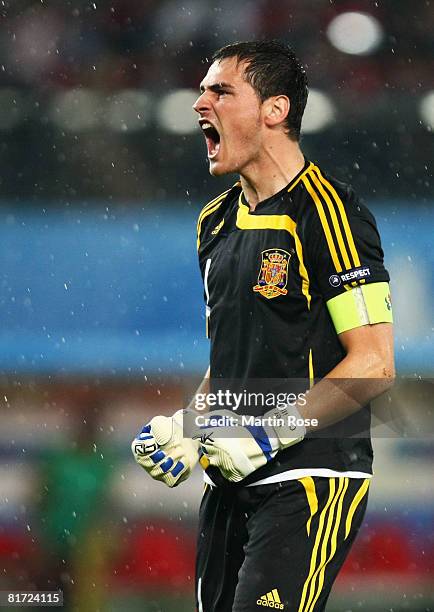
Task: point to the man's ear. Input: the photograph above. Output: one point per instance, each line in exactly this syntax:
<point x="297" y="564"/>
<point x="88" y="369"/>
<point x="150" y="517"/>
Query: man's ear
<point x="276" y="110"/>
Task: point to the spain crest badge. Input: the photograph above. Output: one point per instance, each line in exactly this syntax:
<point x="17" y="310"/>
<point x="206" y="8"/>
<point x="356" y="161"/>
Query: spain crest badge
<point x="273" y="275"/>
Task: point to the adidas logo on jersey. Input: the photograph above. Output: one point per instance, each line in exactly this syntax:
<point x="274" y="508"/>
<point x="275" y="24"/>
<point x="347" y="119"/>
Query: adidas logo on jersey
<point x="271" y="600"/>
<point x="217" y="228"/>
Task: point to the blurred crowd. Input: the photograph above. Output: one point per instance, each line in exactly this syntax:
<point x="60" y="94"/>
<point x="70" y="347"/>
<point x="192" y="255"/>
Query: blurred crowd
<point x="159" y="46"/>
<point x="154" y="44"/>
<point x="75" y="512"/>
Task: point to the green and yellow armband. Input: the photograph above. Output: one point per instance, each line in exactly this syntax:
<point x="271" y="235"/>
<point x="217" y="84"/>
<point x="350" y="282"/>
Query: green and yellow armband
<point x="363" y="305"/>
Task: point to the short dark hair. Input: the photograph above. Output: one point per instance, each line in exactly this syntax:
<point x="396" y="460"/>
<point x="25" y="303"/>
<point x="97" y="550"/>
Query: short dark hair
<point x="272" y="69"/>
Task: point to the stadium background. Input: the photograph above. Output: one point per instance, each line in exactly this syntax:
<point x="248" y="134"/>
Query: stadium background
<point x="103" y="172"/>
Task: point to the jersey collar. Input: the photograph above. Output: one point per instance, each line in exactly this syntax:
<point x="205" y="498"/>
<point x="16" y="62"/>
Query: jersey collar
<point x="289" y="187"/>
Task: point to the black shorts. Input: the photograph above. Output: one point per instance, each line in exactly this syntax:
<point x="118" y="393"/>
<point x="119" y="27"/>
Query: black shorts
<point x="275" y="546"/>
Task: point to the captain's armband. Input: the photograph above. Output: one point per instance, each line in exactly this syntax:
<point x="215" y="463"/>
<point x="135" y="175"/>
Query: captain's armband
<point x="363" y="305"/>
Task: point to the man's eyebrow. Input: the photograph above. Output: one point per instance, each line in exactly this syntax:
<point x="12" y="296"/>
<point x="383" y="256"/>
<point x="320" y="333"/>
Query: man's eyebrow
<point x="216" y="87"/>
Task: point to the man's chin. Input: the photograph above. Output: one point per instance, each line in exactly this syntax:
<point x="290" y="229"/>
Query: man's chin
<point x="218" y="169"/>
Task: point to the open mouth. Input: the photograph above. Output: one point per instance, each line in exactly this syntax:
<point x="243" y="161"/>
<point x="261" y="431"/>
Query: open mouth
<point x="212" y="138"/>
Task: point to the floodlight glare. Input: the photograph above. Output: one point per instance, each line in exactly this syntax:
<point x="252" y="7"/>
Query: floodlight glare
<point x="175" y="112"/>
<point x="355" y="33"/>
<point x="426" y="109"/>
<point x="128" y="111"/>
<point x="319" y="113"/>
<point x="76" y="110"/>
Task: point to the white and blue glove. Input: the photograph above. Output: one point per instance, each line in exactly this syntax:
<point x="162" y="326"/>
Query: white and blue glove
<point x="163" y="452"/>
<point x="239" y="450"/>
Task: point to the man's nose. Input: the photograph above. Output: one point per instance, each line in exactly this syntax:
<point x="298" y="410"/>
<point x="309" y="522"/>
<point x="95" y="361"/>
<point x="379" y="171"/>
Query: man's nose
<point x="201" y="103"/>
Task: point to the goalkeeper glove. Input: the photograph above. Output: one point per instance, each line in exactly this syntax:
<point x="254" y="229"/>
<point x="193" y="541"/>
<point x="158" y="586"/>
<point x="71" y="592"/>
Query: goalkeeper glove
<point x="238" y="450"/>
<point x="163" y="452"/>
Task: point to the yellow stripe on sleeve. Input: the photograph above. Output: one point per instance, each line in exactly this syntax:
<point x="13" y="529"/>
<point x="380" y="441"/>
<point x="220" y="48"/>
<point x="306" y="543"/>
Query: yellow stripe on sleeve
<point x="295" y="183"/>
<point x="208" y="212"/>
<point x="334" y="218"/>
<point x="211" y="207"/>
<point x="343" y="214"/>
<point x="203" y="213"/>
<point x="211" y="203"/>
<point x="329" y="238"/>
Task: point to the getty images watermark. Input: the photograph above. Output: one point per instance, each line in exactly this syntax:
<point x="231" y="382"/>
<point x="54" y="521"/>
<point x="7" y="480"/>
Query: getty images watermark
<point x="403" y="411"/>
<point x="278" y="408"/>
<point x="232" y="400"/>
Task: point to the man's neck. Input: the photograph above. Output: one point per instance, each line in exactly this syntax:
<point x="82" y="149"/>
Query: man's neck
<point x="276" y="168"/>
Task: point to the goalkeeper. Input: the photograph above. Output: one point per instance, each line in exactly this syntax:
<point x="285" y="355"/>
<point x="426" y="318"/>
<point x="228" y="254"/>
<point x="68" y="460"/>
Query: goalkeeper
<point x="295" y="289"/>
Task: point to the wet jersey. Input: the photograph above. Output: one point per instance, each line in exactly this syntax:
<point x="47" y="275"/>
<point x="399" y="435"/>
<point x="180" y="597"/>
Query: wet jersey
<point x="269" y="277"/>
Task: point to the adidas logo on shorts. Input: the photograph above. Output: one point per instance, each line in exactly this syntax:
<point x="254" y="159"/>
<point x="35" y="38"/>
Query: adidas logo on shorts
<point x="271" y="600"/>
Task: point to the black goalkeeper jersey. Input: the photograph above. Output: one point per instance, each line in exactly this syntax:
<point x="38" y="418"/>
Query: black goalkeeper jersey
<point x="268" y="275"/>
